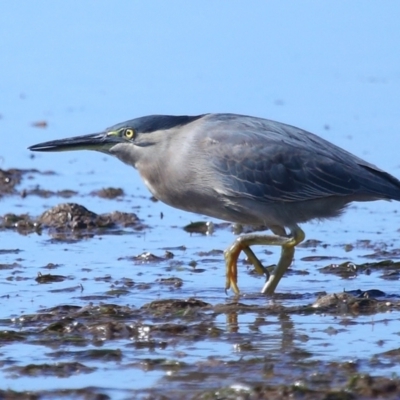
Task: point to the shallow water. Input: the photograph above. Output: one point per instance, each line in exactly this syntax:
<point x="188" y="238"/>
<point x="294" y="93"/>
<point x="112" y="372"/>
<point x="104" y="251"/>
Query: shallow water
<point x="107" y="312"/>
<point x="182" y="350"/>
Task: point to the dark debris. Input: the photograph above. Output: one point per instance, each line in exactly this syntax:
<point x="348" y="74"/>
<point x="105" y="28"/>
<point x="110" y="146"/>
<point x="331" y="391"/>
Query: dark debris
<point x="9" y="179"/>
<point x="70" y="220"/>
<point x="109" y="193"/>
<point x="67" y="331"/>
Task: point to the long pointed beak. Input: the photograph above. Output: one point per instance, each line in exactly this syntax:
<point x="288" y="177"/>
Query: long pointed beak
<point x="95" y="141"/>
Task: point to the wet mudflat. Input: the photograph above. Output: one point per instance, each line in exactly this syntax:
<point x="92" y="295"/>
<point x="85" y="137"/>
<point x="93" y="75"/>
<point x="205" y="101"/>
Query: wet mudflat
<point x="129" y="302"/>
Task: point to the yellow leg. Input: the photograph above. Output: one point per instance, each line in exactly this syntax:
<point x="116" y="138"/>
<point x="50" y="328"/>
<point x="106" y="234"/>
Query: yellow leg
<point x="256" y="262"/>
<point x="243" y="243"/>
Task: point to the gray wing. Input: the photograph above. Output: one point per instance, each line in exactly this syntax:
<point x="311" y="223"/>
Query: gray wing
<point x="267" y="160"/>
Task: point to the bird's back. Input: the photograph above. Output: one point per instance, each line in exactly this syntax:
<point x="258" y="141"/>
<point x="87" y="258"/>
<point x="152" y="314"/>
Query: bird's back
<point x="277" y="162"/>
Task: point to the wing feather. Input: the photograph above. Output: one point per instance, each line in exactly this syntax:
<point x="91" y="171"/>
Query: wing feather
<point x="276" y="162"/>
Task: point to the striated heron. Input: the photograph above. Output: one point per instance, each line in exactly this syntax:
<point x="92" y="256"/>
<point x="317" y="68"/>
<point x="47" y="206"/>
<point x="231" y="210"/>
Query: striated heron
<point x="241" y="169"/>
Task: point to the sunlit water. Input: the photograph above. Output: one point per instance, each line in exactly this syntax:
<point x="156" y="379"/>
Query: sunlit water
<point x="341" y="83"/>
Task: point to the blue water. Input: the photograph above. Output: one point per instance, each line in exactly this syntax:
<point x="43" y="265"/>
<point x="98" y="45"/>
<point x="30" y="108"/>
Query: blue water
<point x="330" y="67"/>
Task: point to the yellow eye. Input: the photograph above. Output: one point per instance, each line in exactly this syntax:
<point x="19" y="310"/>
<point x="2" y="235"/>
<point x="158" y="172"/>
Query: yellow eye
<point x="129" y="133"/>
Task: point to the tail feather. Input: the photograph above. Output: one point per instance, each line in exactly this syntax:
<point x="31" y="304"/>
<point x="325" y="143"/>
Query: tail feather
<point x="385" y="185"/>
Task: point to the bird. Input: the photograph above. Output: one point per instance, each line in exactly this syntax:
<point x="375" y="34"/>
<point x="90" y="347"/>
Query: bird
<point x="242" y="169"/>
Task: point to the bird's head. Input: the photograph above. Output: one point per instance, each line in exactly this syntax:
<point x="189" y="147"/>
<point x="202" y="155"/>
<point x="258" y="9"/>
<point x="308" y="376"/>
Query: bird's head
<point x="129" y="140"/>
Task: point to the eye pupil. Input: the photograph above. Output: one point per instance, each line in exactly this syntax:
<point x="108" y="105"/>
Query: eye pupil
<point x="129" y="133"/>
